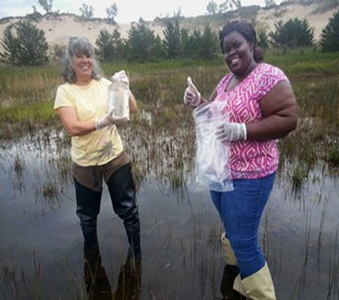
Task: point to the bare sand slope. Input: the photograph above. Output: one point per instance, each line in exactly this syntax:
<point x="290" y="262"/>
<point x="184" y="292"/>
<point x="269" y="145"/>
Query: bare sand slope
<point x="316" y="20"/>
<point x="59" y="29"/>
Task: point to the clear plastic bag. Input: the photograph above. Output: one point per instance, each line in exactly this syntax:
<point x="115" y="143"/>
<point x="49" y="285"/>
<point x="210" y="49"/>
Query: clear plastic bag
<point x="212" y="164"/>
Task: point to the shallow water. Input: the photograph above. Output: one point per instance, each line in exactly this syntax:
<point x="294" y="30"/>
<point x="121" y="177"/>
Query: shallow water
<point x="41" y="241"/>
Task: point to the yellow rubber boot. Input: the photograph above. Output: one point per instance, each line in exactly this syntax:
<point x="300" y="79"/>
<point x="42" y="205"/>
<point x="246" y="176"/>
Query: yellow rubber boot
<point x="227" y="251"/>
<point x="258" y="286"/>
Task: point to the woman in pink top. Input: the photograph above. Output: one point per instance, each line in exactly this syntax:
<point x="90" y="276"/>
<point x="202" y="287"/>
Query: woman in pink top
<point x="262" y="108"/>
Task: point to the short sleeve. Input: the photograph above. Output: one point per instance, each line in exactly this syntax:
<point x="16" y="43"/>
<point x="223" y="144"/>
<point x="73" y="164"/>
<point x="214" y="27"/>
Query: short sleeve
<point x="63" y="98"/>
<point x="269" y="76"/>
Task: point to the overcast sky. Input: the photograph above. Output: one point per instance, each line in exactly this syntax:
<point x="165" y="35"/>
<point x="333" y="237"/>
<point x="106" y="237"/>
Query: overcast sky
<point x="128" y="10"/>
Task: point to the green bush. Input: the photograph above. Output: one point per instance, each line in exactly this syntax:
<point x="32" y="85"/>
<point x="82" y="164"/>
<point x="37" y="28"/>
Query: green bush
<point x="294" y="33"/>
<point x="329" y="39"/>
<point x="26" y="47"/>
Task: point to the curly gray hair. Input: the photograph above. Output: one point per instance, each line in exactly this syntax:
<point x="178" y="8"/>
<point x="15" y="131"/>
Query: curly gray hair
<point x="78" y="45"/>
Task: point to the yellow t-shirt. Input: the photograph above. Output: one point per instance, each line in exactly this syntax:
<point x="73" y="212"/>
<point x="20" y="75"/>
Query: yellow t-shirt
<point x="90" y="102"/>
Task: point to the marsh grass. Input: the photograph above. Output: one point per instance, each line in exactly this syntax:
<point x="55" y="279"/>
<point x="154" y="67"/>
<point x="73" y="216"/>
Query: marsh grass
<point x="27" y="84"/>
<point x="27" y="97"/>
<point x="162" y="144"/>
<point x="333" y="154"/>
<point x="32" y="112"/>
<point x="17" y="281"/>
<point x="300" y="286"/>
<point x="19" y="172"/>
<point x="333" y="290"/>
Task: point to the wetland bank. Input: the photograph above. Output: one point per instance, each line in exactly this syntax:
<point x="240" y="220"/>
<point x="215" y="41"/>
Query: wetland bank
<point x="41" y="242"/>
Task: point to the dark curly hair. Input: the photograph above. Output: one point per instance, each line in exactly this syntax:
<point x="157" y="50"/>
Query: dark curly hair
<point x="247" y="31"/>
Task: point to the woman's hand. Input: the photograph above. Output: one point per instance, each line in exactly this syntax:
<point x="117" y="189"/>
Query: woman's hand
<point x="109" y="119"/>
<point x="231" y="132"/>
<point x="121" y="76"/>
<point x="192" y="96"/>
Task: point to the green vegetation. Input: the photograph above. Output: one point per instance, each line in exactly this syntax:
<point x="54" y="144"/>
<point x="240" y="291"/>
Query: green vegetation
<point x="27" y="97"/>
<point x="329" y="39"/>
<point x="292" y="34"/>
<point x="46" y="5"/>
<point x="24" y="45"/>
<point x="333" y="156"/>
<point x="142" y="44"/>
<point x="112" y="12"/>
<point x="87" y="11"/>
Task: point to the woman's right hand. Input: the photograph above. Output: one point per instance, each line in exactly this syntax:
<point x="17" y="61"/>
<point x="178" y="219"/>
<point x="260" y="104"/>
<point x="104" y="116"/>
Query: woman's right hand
<point x="120" y="76"/>
<point x="109" y="119"/>
<point x="192" y="96"/>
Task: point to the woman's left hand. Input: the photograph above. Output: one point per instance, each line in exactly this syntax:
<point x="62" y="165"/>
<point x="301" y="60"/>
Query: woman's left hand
<point x="231" y="132"/>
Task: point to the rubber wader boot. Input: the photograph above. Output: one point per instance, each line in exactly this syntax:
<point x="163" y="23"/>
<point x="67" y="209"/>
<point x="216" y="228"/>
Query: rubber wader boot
<point x="134" y="251"/>
<point x="258" y="286"/>
<point x="228" y="254"/>
<point x="226" y="286"/>
<point x="123" y="195"/>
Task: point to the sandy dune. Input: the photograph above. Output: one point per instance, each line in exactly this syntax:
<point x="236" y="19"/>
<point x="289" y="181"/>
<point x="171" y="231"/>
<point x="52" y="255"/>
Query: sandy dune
<point x="58" y="30"/>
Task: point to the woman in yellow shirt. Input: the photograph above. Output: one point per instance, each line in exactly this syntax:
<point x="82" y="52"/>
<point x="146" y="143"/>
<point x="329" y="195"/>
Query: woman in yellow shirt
<point x="97" y="151"/>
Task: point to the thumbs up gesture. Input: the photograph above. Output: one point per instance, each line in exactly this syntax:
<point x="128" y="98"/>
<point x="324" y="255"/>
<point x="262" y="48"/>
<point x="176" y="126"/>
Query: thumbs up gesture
<point x="192" y="96"/>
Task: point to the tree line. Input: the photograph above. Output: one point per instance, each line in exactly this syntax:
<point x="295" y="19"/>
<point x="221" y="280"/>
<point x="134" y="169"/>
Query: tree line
<point x="25" y="45"/>
<point x="212" y="8"/>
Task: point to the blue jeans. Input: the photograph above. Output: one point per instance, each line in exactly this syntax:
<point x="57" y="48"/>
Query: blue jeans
<point x="241" y="211"/>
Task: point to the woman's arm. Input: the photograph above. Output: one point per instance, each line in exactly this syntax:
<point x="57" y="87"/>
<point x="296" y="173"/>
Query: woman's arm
<point x="213" y="95"/>
<point x="279" y="109"/>
<point x="71" y="123"/>
<point x="210" y="99"/>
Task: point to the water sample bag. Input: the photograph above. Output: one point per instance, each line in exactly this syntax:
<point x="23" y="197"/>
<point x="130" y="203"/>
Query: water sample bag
<point x="212" y="163"/>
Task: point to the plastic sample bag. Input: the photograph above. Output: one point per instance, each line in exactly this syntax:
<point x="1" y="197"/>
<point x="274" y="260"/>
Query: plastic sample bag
<point x="212" y="165"/>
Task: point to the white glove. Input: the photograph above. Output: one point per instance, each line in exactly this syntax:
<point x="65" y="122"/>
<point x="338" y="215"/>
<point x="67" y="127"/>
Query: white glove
<point x="109" y="119"/>
<point x="121" y="76"/>
<point x="192" y="96"/>
<point x="231" y="132"/>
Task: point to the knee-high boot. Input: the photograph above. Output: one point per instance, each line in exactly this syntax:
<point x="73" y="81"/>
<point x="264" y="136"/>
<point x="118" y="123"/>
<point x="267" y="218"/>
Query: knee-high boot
<point x="122" y="190"/>
<point x="231" y="270"/>
<point x="226" y="286"/>
<point x="88" y="208"/>
<point x="133" y="235"/>
<point x="228" y="254"/>
<point x="227" y="251"/>
<point x="258" y="286"/>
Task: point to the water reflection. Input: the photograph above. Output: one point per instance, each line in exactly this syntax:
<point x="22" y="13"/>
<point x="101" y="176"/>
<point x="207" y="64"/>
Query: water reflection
<point x="129" y="282"/>
<point x="97" y="283"/>
<point x="41" y="242"/>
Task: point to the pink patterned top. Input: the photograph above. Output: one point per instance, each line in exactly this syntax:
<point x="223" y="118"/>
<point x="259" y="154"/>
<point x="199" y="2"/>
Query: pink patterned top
<point x="251" y="159"/>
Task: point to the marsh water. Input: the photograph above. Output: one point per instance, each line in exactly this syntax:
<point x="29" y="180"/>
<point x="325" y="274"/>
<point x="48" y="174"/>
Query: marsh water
<point x="41" y="241"/>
